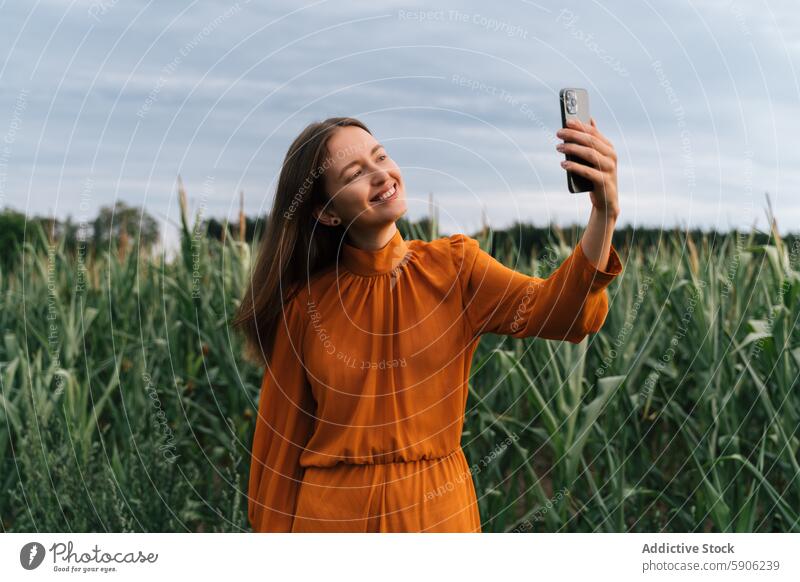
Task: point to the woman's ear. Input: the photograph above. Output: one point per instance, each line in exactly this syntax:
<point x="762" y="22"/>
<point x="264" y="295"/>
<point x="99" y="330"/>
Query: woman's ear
<point x="327" y="217"/>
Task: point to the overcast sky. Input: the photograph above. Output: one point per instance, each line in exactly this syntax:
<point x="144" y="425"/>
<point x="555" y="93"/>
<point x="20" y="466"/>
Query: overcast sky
<point x="103" y="100"/>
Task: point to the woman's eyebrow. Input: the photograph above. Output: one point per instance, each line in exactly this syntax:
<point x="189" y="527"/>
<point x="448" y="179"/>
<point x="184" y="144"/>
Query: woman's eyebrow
<point x="374" y="149"/>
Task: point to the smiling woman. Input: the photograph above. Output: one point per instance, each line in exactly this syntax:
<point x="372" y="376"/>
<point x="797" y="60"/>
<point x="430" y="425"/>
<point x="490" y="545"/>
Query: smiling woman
<point x="365" y="186"/>
<point x="369" y="341"/>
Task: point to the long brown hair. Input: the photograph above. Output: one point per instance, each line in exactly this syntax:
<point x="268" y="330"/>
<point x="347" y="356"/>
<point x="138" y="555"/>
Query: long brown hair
<point x="295" y="245"/>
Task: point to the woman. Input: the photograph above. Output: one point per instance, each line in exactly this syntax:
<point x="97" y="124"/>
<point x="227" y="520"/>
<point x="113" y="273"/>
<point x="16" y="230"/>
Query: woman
<point x="368" y="338"/>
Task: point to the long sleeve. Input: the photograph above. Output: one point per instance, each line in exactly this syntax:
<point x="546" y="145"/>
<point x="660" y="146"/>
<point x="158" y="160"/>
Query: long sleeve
<point x="569" y="304"/>
<point x="285" y="421"/>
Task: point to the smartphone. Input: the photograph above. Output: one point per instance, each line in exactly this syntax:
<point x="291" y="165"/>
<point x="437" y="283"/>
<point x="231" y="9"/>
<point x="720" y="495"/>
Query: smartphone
<point x="575" y="104"/>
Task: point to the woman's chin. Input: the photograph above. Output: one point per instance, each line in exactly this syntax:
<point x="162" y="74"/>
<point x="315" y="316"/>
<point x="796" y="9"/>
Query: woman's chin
<point x="400" y="207"/>
<point x="390" y="211"/>
<point x="399" y="210"/>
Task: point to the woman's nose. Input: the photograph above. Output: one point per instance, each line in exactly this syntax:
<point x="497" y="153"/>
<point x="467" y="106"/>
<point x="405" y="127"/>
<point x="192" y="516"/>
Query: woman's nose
<point x="379" y="175"/>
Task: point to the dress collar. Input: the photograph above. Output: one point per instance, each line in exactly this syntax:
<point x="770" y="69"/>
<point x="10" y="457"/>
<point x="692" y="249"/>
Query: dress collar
<point x="383" y="260"/>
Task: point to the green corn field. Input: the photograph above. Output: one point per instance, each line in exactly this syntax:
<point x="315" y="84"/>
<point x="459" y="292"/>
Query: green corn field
<point x="126" y="404"/>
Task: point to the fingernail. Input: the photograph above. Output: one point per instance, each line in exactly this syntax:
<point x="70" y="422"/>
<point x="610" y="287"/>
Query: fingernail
<point x="564" y="164"/>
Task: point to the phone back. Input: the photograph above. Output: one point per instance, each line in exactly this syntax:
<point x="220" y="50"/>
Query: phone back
<point x="574" y="103"/>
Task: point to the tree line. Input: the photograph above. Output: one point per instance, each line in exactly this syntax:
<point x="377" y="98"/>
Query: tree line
<point x="127" y="226"/>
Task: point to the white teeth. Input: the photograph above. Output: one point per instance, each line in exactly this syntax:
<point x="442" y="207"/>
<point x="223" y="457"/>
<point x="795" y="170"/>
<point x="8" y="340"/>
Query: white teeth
<point x="386" y="194"/>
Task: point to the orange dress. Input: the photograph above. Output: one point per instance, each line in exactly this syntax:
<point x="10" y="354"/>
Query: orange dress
<point x="362" y="407"/>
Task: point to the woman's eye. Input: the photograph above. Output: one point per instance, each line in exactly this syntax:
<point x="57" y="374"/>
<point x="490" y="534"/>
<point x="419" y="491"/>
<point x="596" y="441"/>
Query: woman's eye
<point x="354" y="176"/>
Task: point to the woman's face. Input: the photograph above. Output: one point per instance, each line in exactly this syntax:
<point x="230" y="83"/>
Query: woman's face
<point x="359" y="173"/>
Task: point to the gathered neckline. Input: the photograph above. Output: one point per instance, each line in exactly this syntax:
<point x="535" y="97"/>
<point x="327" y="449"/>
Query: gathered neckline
<point x="384" y="260"/>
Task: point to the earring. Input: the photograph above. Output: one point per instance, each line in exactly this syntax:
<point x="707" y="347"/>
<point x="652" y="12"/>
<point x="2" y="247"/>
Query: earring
<point x="335" y="221"/>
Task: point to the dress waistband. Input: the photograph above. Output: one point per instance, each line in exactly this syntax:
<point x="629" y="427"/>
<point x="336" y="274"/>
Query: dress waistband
<point x="351" y="463"/>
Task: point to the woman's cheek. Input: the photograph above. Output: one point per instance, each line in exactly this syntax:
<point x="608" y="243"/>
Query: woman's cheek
<point x="354" y="202"/>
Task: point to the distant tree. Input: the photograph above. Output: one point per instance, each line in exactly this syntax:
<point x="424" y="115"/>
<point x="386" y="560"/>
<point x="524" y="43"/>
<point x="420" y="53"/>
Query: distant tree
<point x="65" y="230"/>
<point x="121" y="221"/>
<point x="215" y="228"/>
<point x="12" y="232"/>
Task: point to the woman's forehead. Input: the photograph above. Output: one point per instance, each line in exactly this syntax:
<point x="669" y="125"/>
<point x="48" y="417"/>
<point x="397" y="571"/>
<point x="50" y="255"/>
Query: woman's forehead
<point x="350" y="142"/>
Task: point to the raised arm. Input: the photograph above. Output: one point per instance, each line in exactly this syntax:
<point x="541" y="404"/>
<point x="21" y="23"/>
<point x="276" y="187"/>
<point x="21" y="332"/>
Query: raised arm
<point x="600" y="168"/>
<point x="569" y="304"/>
<point x="286" y="410"/>
<point x="573" y="301"/>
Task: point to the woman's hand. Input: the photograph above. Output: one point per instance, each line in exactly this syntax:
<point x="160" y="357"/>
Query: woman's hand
<point x="586" y="142"/>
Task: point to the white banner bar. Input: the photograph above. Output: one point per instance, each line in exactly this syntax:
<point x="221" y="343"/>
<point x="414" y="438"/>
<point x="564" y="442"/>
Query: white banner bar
<point x="401" y="557"/>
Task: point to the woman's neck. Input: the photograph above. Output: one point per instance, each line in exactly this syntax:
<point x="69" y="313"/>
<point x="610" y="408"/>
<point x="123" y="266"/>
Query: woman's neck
<point x="372" y="239"/>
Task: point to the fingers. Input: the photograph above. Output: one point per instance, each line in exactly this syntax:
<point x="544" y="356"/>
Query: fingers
<point x="591" y="129"/>
<point x="586" y="137"/>
<point x="591" y="155"/>
<point x="595" y="175"/>
<point x="585" y="140"/>
<point x="587" y="143"/>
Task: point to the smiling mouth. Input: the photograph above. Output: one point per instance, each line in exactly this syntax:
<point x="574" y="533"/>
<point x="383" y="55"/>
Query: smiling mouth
<point x="385" y="196"/>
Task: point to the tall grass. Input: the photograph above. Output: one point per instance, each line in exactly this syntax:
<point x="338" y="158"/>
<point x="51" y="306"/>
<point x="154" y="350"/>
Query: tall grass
<point x="126" y="406"/>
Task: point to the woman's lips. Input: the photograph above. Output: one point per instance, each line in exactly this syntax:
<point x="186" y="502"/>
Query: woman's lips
<point x="384" y="200"/>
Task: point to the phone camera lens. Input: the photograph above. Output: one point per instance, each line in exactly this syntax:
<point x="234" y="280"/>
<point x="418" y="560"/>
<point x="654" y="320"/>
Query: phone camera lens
<point x="571" y="102"/>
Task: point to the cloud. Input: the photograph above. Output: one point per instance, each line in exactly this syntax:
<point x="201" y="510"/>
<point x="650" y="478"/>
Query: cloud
<point x="465" y="94"/>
